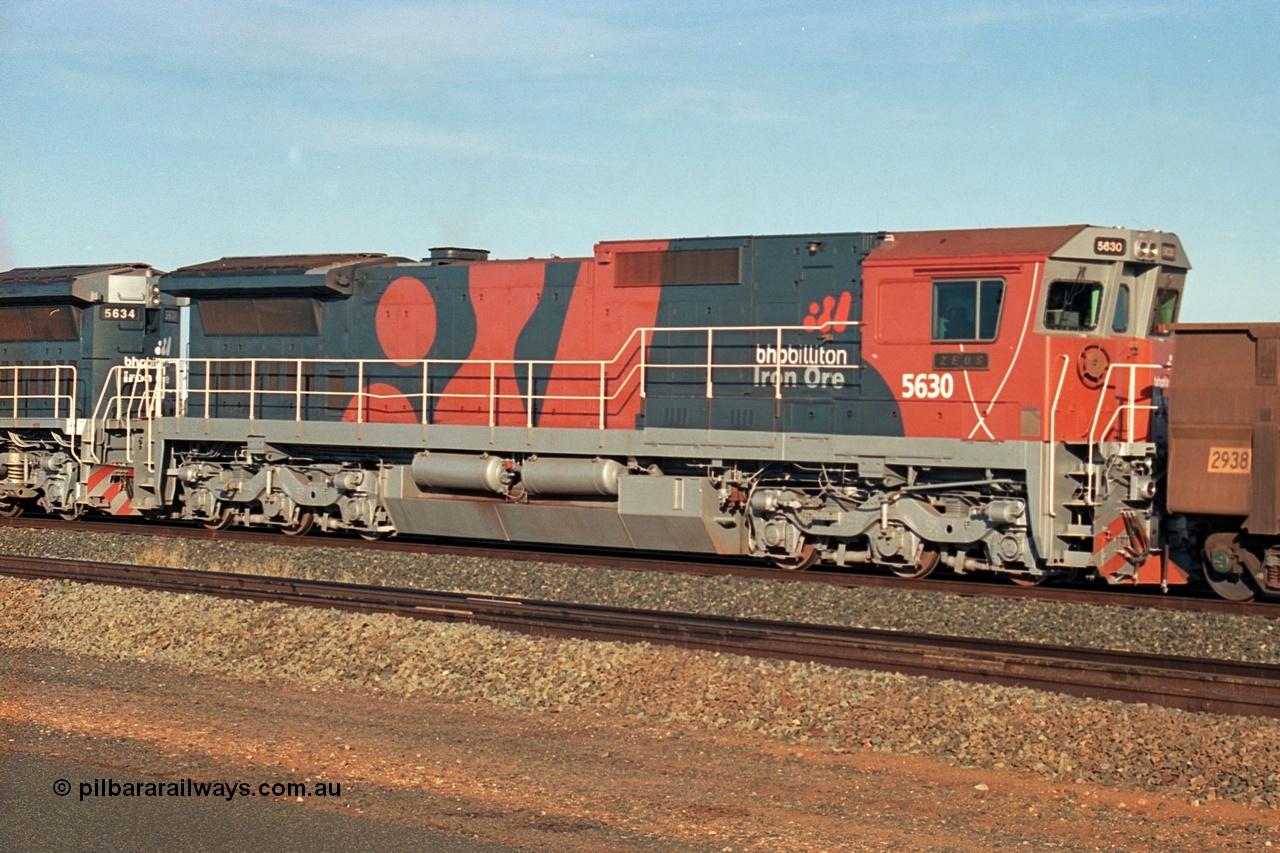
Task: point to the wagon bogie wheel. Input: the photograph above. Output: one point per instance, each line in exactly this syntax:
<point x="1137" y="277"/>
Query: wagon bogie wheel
<point x="1229" y="568"/>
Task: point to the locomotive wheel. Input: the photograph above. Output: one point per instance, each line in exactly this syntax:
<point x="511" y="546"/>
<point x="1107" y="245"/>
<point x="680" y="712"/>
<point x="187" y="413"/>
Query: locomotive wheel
<point x="1228" y="568"/>
<point x="373" y="535"/>
<point x="222" y="522"/>
<point x="71" y="514"/>
<point x="301" y="527"/>
<point x="1029" y="580"/>
<point x="10" y="509"/>
<point x="805" y="559"/>
<point x="923" y="566"/>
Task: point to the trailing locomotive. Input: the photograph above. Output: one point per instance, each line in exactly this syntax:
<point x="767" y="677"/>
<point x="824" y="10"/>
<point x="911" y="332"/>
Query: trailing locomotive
<point x="65" y="334"/>
<point x="997" y="400"/>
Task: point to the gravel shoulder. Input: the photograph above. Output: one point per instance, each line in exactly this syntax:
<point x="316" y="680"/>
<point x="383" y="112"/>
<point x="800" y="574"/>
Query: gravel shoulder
<point x="546" y="744"/>
<point x="574" y="780"/>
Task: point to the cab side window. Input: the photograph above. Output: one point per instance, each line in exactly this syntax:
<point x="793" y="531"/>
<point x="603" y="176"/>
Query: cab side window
<point x="1073" y="306"/>
<point x="967" y="310"/>
<point x="1165" y="312"/>
<point x="1120" y="320"/>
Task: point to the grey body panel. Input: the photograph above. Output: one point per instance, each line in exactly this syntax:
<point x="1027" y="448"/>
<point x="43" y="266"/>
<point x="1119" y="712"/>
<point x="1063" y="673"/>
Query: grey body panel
<point x="650" y="512"/>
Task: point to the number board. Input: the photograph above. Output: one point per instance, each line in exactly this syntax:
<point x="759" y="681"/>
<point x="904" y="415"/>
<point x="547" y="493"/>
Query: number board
<point x="1116" y="246"/>
<point x="961" y="361"/>
<point x="119" y="312"/>
<point x="1230" y="460"/>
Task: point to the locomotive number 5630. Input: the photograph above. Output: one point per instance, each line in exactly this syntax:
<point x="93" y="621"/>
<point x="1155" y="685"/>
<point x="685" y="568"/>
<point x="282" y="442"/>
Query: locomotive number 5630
<point x="927" y="386"/>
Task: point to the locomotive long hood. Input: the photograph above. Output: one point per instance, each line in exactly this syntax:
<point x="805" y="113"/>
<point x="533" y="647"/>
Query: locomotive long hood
<point x="298" y="274"/>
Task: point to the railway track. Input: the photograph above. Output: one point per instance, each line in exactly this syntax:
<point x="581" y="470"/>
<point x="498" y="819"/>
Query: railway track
<point x="1192" y="684"/>
<point x="984" y="587"/>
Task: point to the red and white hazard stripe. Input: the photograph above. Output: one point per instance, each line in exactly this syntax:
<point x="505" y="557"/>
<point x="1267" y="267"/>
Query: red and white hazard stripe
<point x="109" y="490"/>
<point x="1112" y="559"/>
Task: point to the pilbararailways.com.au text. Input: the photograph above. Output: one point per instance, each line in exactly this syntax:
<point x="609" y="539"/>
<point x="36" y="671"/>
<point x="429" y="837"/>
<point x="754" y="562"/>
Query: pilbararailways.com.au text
<point x="225" y="790"/>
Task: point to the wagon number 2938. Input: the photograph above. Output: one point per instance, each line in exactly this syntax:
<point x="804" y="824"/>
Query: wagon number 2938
<point x="1229" y="460"/>
<point x="927" y="386"/>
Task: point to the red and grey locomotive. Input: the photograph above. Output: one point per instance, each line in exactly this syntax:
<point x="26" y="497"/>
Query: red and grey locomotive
<point x="999" y="400"/>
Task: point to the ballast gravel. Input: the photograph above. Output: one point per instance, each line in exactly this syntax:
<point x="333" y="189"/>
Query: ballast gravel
<point x="1198" y="756"/>
<point x="1203" y="635"/>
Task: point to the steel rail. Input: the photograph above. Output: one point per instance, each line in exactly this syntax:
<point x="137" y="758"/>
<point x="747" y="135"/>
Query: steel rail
<point x="1149" y="598"/>
<point x="1192" y="684"/>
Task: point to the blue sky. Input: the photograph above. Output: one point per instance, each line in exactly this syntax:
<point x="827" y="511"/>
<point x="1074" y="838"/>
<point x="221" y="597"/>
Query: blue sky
<point x="175" y="133"/>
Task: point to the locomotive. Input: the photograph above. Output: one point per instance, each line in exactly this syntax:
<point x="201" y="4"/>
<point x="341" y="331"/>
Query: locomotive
<point x="990" y="400"/>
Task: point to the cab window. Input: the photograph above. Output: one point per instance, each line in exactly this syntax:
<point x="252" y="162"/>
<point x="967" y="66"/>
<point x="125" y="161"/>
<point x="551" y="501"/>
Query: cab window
<point x="967" y="310"/>
<point x="1165" y="312"/>
<point x="1120" y="320"/>
<point x="1073" y="306"/>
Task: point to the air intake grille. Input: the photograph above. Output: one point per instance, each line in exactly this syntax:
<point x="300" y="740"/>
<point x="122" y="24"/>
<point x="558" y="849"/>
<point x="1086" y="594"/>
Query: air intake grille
<point x="693" y="266"/>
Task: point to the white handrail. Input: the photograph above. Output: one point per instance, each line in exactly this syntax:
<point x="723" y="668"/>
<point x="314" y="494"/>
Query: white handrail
<point x="1051" y="478"/>
<point x="21" y="399"/>
<point x="139" y="403"/>
<point x="1128" y="404"/>
<point x="607" y="390"/>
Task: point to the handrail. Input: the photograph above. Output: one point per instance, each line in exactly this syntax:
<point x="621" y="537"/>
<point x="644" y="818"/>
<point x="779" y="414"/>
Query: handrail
<point x="22" y="377"/>
<point x="1131" y="406"/>
<point x="1128" y="405"/>
<point x="1051" y="478"/>
<point x="632" y="359"/>
<point x="143" y="405"/>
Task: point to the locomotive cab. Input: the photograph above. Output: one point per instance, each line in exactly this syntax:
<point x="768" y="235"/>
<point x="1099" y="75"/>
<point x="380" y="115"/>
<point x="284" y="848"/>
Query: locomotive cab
<point x="62" y="332"/>
<point x="965" y="324"/>
<point x="1057" y="337"/>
